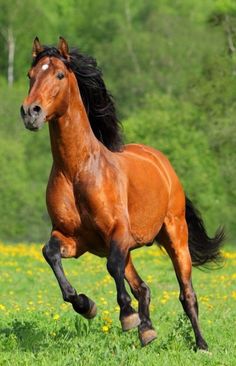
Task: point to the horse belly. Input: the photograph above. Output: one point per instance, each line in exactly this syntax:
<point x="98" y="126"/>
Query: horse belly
<point x="148" y="199"/>
<point x="147" y="211"/>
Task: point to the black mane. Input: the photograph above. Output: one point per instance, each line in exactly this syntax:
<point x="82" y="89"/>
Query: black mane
<point x="97" y="100"/>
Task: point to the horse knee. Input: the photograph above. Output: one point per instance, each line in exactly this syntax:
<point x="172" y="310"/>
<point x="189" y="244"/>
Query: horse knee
<point x="112" y="266"/>
<point x="51" y="250"/>
<point x="124" y="298"/>
<point x="145" y="291"/>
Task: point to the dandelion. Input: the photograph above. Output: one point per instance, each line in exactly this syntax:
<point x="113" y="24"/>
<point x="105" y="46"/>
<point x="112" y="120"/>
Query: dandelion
<point x="17" y="307"/>
<point x="56" y="317"/>
<point x="64" y="306"/>
<point x="149" y="279"/>
<point x="233" y="294"/>
<point x="163" y="301"/>
<point x="103" y="301"/>
<point x="105" y="328"/>
<point x="2" y="307"/>
<point x="135" y="302"/>
<point x="229" y="255"/>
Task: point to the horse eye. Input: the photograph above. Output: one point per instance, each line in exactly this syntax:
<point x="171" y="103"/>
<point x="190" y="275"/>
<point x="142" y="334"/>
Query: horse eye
<point x="60" y="75"/>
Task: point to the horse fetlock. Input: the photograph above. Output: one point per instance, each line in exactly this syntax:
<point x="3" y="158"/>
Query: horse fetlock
<point x="70" y="296"/>
<point x="84" y="306"/>
<point x="92" y="312"/>
<point x="202" y="345"/>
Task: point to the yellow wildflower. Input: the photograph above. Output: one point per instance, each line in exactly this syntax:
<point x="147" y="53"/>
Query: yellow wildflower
<point x="105" y="328"/>
<point x="2" y="307"/>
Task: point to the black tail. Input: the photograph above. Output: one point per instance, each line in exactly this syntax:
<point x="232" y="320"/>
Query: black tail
<point x="203" y="249"/>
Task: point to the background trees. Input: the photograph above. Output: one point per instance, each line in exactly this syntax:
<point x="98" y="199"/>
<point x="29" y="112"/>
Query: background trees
<point x="171" y="68"/>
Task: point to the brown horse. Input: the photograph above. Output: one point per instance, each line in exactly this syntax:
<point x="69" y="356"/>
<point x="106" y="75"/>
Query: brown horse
<point x="107" y="198"/>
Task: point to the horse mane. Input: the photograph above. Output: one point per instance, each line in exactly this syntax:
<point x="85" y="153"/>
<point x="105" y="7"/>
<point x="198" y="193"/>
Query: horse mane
<point x="98" y="102"/>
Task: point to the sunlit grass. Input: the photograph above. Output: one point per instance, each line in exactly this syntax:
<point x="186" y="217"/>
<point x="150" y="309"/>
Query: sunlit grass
<point x="37" y="327"/>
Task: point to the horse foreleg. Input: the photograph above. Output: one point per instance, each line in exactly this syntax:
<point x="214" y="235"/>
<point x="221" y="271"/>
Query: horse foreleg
<point x="116" y="267"/>
<point x="142" y="293"/>
<point x="52" y="252"/>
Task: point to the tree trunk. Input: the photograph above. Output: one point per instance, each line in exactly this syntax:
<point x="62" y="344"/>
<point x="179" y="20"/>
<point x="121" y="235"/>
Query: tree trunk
<point x="11" y="55"/>
<point x="128" y="38"/>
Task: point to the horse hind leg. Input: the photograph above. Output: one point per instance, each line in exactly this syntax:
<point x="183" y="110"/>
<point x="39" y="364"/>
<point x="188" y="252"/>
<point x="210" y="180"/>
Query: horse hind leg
<point x="142" y="293"/>
<point x="174" y="237"/>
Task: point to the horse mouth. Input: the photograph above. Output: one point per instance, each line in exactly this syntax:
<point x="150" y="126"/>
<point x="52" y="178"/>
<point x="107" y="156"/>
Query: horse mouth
<point x="32" y="128"/>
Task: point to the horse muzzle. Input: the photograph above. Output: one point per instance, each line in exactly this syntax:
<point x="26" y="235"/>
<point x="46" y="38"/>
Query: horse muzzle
<point x="33" y="116"/>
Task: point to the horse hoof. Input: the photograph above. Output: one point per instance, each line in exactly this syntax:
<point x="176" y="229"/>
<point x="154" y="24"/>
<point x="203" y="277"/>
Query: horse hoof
<point x="92" y="310"/>
<point x="147" y="336"/>
<point x="130" y="322"/>
<point x="205" y="351"/>
<point x="202" y="346"/>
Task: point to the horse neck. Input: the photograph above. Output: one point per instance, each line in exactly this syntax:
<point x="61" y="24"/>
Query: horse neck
<point x="72" y="140"/>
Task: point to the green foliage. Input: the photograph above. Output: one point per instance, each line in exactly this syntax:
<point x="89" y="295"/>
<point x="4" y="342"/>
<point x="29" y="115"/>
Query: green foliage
<point x="25" y="165"/>
<point x="13" y="183"/>
<point x="171" y="68"/>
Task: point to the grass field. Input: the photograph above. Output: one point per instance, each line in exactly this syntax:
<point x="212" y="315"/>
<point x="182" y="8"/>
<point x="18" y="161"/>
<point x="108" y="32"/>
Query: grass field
<point x="38" y="328"/>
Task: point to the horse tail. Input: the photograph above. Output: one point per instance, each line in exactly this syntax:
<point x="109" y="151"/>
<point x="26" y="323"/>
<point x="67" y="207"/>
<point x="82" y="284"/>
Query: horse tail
<point x="203" y="249"/>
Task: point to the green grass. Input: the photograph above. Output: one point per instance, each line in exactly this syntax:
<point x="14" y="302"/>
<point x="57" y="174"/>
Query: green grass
<point x="38" y="328"/>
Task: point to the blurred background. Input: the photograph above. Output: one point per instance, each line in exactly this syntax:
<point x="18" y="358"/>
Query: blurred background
<point x="171" y="67"/>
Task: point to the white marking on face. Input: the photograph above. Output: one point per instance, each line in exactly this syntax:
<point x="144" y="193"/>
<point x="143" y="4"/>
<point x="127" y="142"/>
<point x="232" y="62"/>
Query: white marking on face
<point x="45" y="67"/>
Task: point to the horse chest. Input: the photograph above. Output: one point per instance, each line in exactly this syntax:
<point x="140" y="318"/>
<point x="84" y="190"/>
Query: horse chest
<point x="74" y="216"/>
<point x="61" y="205"/>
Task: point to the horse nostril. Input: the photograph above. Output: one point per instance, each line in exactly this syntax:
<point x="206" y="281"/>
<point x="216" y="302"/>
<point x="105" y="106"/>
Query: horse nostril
<point x="36" y="109"/>
<point x="31" y="112"/>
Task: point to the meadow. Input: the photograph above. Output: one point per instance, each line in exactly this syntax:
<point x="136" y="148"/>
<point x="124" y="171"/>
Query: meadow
<point x="38" y="328"/>
<point x="171" y="67"/>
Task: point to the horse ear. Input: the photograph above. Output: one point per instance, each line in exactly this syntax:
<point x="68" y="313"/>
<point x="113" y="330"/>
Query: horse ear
<point x="63" y="48"/>
<point x="37" y="48"/>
